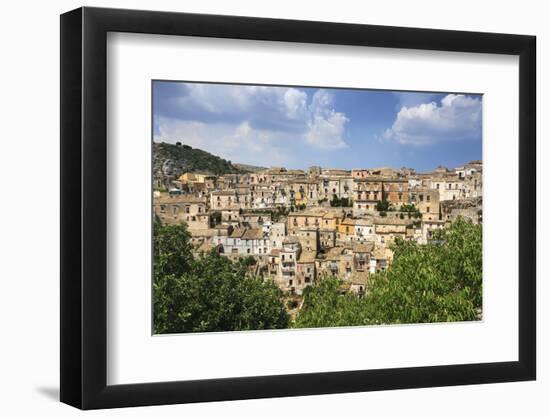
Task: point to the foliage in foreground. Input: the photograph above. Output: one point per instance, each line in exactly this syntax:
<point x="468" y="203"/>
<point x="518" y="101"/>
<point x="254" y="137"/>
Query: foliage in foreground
<point x="209" y="293"/>
<point x="438" y="282"/>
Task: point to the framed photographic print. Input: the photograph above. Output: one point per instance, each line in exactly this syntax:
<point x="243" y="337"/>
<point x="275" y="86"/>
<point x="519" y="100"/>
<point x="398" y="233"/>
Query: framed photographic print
<point x="256" y="208"/>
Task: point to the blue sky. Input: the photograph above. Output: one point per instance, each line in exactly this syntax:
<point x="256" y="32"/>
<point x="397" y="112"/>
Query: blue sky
<point x="298" y="127"/>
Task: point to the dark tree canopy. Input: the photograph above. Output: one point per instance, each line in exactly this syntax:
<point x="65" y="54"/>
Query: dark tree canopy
<point x="383" y="205"/>
<point x="437" y="282"/>
<point x="209" y="293"/>
<point x="326" y="306"/>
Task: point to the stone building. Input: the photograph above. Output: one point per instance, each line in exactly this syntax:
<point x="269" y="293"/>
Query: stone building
<point x="396" y="191"/>
<point x="289" y="255"/>
<point x="427" y="202"/>
<point x="305" y="271"/>
<point x="428" y="227"/>
<point x="246" y="242"/>
<point x="450" y="187"/>
<point x="364" y="229"/>
<point x="223" y="199"/>
<point x="387" y="229"/>
<point x="469" y="208"/>
<point x="183" y="208"/>
<point x="327" y="238"/>
<point x="367" y="192"/>
<point x="346" y="231"/>
<point x="277" y="234"/>
<point x="308" y="237"/>
<point x="306" y="218"/>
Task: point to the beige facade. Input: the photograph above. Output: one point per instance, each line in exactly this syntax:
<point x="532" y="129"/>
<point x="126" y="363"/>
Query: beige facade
<point x="306" y="218"/>
<point x="183" y="208"/>
<point x="427" y="202"/>
<point x="387" y="229"/>
<point x="310" y="239"/>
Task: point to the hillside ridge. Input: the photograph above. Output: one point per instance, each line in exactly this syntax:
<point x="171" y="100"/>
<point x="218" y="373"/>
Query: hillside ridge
<point x="176" y="159"/>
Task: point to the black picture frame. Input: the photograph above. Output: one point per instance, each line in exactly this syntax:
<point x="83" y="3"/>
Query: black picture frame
<point x="84" y="207"/>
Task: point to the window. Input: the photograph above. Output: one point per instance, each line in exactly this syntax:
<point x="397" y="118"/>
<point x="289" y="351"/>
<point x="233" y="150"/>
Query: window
<point x="427" y="198"/>
<point x="187" y="209"/>
<point x="437" y="186"/>
<point x="248" y="250"/>
<point x="175" y="210"/>
<point x="428" y="209"/>
<point x="421" y="197"/>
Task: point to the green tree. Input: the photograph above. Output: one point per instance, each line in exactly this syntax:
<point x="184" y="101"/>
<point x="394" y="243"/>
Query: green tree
<point x="216" y="217"/>
<point x="248" y="261"/>
<point x="209" y="293"/>
<point x="340" y="202"/>
<point x="437" y="282"/>
<point x="383" y="205"/>
<point x="172" y="250"/>
<point x="326" y="306"/>
<point x="412" y="211"/>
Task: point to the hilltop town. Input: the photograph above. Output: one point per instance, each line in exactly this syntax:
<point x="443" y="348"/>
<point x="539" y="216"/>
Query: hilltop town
<point x="301" y="225"/>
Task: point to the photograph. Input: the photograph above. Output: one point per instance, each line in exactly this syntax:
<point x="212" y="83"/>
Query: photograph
<point x="291" y="207"/>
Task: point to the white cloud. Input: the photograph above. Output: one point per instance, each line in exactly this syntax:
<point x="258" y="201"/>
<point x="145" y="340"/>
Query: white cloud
<point x="275" y="111"/>
<point x="296" y="103"/>
<point x="326" y="126"/>
<point x="412" y="98"/>
<point x="239" y="143"/>
<point x="456" y="117"/>
<point x="243" y="130"/>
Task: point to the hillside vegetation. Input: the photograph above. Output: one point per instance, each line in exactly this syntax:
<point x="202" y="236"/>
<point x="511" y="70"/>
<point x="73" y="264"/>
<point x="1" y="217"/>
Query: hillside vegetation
<point x="178" y="159"/>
